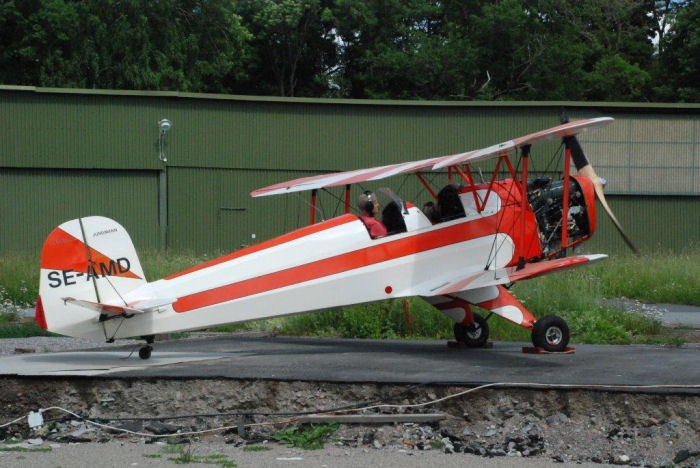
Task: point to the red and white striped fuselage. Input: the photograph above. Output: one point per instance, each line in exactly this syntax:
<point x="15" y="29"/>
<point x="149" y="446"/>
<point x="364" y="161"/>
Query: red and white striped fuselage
<point x="326" y="265"/>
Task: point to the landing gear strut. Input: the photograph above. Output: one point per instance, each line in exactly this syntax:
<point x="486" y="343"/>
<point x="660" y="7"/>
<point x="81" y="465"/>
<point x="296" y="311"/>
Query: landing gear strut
<point x="145" y="351"/>
<point x="474" y="335"/>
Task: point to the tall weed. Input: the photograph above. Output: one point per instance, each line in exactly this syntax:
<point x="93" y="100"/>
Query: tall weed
<point x="659" y="278"/>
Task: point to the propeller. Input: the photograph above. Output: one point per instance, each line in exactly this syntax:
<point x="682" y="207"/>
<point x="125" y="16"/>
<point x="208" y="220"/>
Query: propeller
<point x="584" y="167"/>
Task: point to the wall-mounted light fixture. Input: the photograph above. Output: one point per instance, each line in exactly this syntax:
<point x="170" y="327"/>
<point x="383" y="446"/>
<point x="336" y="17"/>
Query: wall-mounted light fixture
<point x="164" y="125"/>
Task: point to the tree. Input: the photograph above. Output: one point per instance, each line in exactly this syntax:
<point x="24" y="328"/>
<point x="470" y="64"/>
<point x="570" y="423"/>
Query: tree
<point x="36" y="43"/>
<point x="393" y="49"/>
<point x="189" y="45"/>
<point x="402" y="49"/>
<point x="599" y="49"/>
<point x="294" y="48"/>
<point x="677" y="76"/>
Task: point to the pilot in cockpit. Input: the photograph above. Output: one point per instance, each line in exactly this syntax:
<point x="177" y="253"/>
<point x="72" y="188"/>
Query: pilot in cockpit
<point x="368" y="203"/>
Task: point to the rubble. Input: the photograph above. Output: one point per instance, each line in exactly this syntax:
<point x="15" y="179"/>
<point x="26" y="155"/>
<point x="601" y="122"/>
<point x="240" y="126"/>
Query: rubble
<point x="562" y="426"/>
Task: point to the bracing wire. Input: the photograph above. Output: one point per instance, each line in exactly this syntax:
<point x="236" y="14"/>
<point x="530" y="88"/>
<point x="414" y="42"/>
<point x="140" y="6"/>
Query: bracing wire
<point x="493" y="253"/>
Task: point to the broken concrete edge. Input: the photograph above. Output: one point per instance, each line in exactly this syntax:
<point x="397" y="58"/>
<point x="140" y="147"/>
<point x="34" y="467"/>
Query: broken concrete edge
<point x="373" y="418"/>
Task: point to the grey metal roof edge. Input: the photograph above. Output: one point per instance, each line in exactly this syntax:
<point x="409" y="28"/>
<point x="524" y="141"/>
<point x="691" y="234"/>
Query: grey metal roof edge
<point x="631" y="106"/>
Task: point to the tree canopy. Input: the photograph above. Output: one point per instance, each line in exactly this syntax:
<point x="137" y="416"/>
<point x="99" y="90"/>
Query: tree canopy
<point x="606" y="50"/>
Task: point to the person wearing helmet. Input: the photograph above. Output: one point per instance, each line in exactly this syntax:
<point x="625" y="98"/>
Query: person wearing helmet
<point x="368" y="204"/>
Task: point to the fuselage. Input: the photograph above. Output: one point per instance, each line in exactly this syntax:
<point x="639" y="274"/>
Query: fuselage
<point x="335" y="263"/>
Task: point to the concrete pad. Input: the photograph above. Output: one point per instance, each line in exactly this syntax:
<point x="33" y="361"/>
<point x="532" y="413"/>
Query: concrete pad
<point x="377" y="361"/>
<point x="93" y="363"/>
<point x="681" y="315"/>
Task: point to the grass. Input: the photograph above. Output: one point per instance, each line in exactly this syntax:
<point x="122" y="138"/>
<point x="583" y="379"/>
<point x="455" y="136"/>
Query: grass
<point x="437" y="444"/>
<point x="256" y="448"/>
<point x="661" y="278"/>
<point x="574" y="295"/>
<point x="24" y="449"/>
<point x="19" y="329"/>
<point x="19" y="281"/>
<point x="186" y="455"/>
<point x="175" y="448"/>
<point x="306" y="436"/>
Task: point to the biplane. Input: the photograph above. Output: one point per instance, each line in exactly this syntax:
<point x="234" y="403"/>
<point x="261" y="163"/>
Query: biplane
<point x="479" y="237"/>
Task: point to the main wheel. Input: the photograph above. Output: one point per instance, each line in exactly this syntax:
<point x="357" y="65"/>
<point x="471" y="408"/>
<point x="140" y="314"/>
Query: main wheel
<point x="551" y="333"/>
<point x="145" y="352"/>
<point x="474" y="335"/>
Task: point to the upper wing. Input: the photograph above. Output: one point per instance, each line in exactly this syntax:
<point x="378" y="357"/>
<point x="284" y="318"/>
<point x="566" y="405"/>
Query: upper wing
<point x="344" y="178"/>
<point x="440" y="287"/>
<point x="560" y="131"/>
<point x="376" y="173"/>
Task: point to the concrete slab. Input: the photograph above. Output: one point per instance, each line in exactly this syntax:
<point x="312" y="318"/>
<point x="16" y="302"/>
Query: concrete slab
<point x="91" y="363"/>
<point x="680" y="315"/>
<point x="671" y="315"/>
<point x="375" y="361"/>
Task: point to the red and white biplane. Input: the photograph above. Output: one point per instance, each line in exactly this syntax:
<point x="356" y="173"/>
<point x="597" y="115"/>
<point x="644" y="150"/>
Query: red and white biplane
<point x="479" y="238"/>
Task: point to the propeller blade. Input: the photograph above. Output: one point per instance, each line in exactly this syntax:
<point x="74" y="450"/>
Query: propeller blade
<point x="584" y="168"/>
<point x="577" y="154"/>
<point x="598" y="186"/>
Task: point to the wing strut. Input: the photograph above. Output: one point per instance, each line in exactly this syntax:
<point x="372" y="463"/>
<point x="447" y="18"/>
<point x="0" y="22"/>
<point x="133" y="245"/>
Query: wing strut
<point x="426" y="185"/>
<point x="347" y="198"/>
<point x="525" y="155"/>
<point x="565" y="208"/>
<point x="312" y="215"/>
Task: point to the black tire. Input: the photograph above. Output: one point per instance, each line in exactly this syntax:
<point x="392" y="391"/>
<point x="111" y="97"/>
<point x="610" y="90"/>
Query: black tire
<point x="551" y="333"/>
<point x="145" y="352"/>
<point x="474" y="335"/>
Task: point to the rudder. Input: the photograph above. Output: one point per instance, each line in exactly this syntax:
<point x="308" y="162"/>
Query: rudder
<point x="92" y="259"/>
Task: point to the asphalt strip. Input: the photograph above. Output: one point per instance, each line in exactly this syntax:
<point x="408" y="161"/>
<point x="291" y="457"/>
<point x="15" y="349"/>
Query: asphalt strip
<point x="86" y="363"/>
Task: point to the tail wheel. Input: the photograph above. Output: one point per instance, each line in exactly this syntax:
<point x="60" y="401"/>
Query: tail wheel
<point x="551" y="333"/>
<point x="474" y="335"/>
<point x="145" y="352"/>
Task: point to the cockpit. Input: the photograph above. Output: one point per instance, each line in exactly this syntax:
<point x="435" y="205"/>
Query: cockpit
<point x="400" y="216"/>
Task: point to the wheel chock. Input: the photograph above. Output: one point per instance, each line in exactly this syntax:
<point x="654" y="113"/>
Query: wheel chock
<point x="461" y="345"/>
<point x="541" y="350"/>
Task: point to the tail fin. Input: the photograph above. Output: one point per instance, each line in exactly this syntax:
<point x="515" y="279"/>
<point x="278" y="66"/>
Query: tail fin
<point x="90" y="259"/>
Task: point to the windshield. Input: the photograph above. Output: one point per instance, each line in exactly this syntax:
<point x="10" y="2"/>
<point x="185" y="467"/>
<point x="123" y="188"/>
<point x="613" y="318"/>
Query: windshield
<point x="386" y="191"/>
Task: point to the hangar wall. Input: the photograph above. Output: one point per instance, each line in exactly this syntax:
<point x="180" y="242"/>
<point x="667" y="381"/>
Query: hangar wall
<point x="66" y="153"/>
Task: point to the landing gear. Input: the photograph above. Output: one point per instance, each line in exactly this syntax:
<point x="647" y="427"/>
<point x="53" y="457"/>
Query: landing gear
<point x="551" y="333"/>
<point x="474" y="335"/>
<point x="145" y="351"/>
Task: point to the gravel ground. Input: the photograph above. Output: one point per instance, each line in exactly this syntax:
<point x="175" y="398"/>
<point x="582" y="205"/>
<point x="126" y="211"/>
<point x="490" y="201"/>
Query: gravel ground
<point x="498" y="427"/>
<point x="136" y="453"/>
<point x="651" y="311"/>
<point x="547" y="426"/>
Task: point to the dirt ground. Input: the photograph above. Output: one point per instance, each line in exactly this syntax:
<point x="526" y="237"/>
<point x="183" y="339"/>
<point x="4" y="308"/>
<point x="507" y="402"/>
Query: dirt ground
<point x="571" y="426"/>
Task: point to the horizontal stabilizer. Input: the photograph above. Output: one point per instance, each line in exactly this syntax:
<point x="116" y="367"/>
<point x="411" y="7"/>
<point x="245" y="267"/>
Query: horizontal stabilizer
<point x="149" y="305"/>
<point x="103" y="309"/>
<point x="507" y="275"/>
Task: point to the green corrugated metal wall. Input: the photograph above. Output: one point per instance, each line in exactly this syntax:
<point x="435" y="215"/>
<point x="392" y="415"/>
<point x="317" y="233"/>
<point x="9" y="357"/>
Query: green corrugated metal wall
<point x="66" y="153"/>
<point x="119" y="132"/>
<point x="34" y="201"/>
<point x="655" y="223"/>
